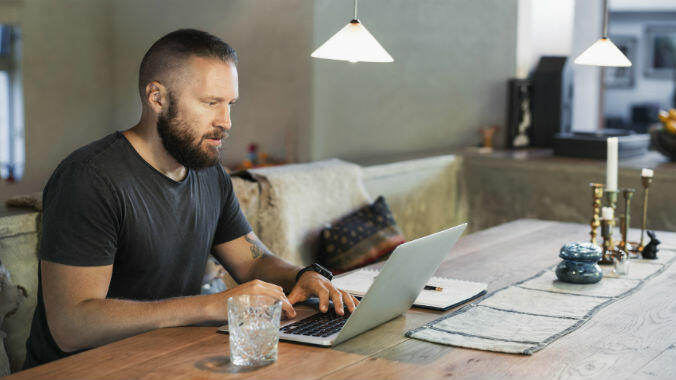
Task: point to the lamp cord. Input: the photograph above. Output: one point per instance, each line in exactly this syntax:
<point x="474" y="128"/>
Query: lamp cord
<point x="605" y="18"/>
<point x="355" y="10"/>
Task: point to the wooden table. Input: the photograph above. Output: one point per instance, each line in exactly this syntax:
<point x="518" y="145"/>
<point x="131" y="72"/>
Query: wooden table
<point x="632" y="338"/>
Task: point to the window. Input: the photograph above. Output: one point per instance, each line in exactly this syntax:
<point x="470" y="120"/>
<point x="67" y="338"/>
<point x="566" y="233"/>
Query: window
<point x="12" y="148"/>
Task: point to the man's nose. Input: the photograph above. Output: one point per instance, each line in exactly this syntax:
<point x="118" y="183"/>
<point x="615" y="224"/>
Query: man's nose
<point x="223" y="119"/>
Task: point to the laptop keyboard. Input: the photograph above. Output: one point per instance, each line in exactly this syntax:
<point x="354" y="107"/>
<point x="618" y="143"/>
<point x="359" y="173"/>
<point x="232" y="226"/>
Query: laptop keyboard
<point x="319" y="325"/>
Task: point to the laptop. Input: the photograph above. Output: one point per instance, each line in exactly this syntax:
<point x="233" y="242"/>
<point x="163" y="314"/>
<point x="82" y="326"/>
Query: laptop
<point x="393" y="291"/>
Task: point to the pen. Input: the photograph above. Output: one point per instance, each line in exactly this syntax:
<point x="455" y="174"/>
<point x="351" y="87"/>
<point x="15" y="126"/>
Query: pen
<point x="430" y="287"/>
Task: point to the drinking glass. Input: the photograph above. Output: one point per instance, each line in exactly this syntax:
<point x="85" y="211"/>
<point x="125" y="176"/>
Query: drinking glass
<point x="253" y="324"/>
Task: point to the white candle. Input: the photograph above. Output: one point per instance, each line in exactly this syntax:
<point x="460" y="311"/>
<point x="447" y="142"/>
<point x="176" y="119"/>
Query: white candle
<point x="607" y="213"/>
<point x="611" y="164"/>
<point x="647" y="173"/>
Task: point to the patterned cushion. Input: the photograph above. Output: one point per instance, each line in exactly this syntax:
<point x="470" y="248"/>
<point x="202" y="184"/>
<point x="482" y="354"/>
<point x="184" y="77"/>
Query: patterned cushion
<point x="359" y="238"/>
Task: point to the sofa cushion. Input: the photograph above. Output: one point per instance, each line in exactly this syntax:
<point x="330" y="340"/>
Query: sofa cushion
<point x="360" y="238"/>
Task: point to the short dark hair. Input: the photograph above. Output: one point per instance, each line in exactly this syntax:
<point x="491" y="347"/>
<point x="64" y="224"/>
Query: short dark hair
<point x="170" y="52"/>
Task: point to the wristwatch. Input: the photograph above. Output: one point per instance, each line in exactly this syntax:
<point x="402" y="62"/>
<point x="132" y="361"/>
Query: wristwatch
<point x="315" y="268"/>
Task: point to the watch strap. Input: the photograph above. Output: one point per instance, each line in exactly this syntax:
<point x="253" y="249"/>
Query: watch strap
<point x="315" y="268"/>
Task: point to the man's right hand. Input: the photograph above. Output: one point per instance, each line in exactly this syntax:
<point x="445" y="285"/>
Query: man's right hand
<point x="261" y="288"/>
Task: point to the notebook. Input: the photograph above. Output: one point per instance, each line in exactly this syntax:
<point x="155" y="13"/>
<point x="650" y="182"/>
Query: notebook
<point x="454" y="292"/>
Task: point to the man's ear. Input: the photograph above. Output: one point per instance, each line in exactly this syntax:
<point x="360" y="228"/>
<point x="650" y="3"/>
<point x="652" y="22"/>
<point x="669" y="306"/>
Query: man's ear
<point x="156" y="96"/>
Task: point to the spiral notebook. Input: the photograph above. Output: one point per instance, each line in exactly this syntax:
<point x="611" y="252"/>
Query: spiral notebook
<point x="453" y="292"/>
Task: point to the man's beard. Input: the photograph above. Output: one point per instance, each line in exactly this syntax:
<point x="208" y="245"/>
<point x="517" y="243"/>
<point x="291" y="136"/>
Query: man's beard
<point x="182" y="145"/>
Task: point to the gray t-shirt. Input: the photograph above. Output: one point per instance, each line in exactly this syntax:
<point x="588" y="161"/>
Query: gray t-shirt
<point x="104" y="204"/>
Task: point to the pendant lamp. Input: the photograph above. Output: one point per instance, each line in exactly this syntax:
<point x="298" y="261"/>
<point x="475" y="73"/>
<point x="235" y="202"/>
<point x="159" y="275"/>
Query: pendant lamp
<point x="603" y="52"/>
<point x="353" y="43"/>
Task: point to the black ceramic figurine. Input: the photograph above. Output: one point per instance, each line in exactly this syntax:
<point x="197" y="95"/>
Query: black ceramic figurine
<point x="650" y="250"/>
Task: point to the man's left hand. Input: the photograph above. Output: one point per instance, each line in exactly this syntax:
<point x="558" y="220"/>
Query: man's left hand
<point x="314" y="284"/>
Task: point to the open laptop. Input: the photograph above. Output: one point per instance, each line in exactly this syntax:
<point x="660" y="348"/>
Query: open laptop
<point x="393" y="291"/>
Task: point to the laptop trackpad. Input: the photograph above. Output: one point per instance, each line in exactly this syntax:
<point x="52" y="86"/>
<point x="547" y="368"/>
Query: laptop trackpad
<point x="302" y="311"/>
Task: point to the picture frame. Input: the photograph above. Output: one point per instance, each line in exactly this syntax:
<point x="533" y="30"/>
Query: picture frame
<point x="622" y="77"/>
<point x="660" y="51"/>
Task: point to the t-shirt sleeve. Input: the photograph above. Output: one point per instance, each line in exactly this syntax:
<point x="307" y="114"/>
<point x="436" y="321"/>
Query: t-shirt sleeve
<point x="232" y="222"/>
<point x="81" y="219"/>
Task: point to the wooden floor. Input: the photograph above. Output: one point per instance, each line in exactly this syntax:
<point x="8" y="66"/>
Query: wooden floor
<point x="632" y="338"/>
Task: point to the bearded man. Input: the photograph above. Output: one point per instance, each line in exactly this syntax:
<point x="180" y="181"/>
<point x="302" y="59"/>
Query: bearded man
<point x="130" y="220"/>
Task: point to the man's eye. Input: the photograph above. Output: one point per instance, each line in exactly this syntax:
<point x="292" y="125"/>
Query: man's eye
<point x="213" y="103"/>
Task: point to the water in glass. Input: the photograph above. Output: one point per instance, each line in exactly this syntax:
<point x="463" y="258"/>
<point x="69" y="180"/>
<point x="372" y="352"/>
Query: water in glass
<point x="253" y="324"/>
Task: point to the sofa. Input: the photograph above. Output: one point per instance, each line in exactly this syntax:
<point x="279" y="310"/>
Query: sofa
<point x="286" y="206"/>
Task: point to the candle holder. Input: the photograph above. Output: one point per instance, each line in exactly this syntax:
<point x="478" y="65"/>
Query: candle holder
<point x="611" y="199"/>
<point x="595" y="223"/>
<point x="607" y="226"/>
<point x="625" y="221"/>
<point x="645" y="181"/>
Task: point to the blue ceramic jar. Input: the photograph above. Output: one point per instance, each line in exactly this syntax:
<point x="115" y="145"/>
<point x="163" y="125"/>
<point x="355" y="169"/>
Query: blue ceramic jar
<point x="579" y="264"/>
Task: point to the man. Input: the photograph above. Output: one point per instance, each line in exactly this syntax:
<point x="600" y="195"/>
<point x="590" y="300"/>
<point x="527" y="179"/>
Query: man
<point x="129" y="220"/>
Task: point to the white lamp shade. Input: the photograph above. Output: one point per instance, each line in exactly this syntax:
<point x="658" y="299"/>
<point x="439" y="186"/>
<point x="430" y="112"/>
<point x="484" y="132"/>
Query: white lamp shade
<point x="353" y="43"/>
<point x="603" y="53"/>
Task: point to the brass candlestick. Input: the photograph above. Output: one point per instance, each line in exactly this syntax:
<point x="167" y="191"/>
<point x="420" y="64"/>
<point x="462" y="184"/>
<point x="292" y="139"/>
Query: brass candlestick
<point x="645" y="181"/>
<point x="607" y="226"/>
<point x="625" y="222"/>
<point x="623" y="232"/>
<point x="611" y="199"/>
<point x="597" y="193"/>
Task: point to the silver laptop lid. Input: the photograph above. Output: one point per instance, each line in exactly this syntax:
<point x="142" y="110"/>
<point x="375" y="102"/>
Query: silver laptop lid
<point x="402" y="278"/>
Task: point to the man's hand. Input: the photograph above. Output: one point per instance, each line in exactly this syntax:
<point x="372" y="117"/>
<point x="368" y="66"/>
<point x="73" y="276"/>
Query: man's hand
<point x="262" y="288"/>
<point x="246" y="258"/>
<point x="314" y="284"/>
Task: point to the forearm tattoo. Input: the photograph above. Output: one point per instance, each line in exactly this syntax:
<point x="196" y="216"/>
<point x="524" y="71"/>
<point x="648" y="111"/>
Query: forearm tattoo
<point x="257" y="248"/>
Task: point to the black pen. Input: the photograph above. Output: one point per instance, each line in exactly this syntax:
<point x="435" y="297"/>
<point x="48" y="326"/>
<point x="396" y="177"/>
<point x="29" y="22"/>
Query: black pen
<point x="436" y="288"/>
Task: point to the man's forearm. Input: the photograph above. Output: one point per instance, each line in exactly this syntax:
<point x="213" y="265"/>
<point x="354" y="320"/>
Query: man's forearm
<point x="95" y="322"/>
<point x="272" y="269"/>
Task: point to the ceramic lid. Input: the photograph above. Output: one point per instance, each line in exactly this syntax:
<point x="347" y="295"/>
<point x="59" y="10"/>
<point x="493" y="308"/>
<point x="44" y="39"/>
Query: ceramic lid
<point x="581" y="251"/>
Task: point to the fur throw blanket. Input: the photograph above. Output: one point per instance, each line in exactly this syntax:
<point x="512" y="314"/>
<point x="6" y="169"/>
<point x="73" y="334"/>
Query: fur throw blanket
<point x="11" y="296"/>
<point x="300" y="199"/>
<point x="29" y="201"/>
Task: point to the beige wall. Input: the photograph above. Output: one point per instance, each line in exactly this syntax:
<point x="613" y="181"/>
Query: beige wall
<point x="545" y="27"/>
<point x="587" y="29"/>
<point x="67" y="83"/>
<point x="452" y="59"/>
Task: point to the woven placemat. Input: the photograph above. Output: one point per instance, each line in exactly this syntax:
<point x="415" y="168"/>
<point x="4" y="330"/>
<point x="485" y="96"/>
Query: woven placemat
<point x="525" y="317"/>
